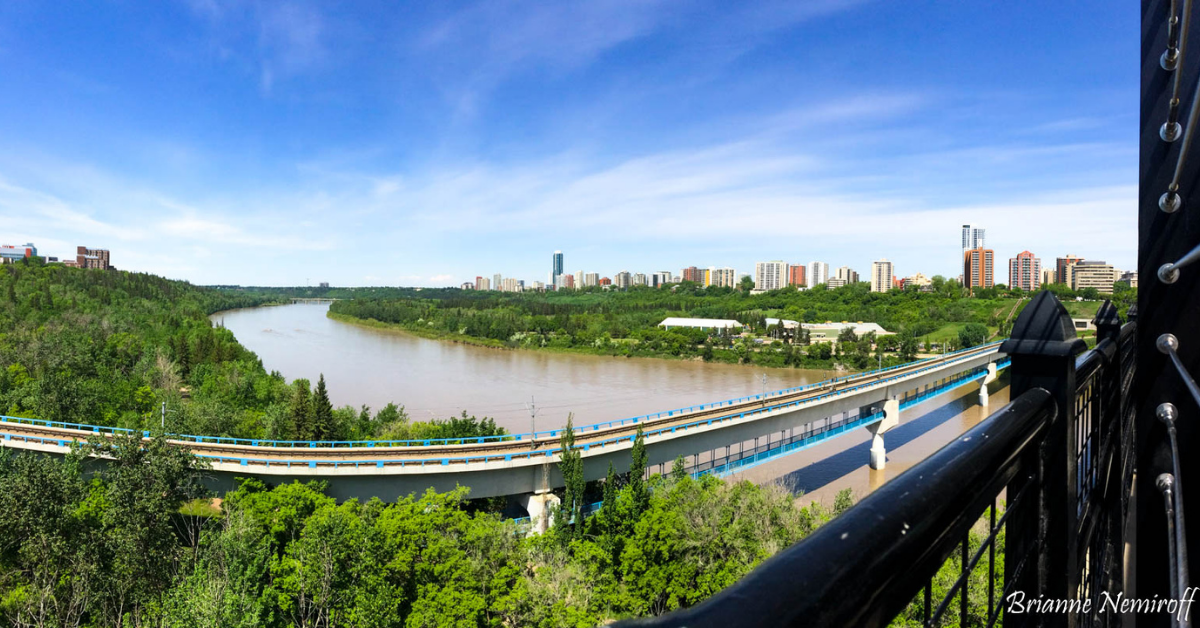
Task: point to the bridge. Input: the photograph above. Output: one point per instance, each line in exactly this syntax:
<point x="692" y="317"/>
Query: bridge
<point x="712" y="438"/>
<point x="312" y="300"/>
<point x="1072" y="496"/>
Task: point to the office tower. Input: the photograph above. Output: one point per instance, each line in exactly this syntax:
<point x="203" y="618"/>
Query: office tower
<point x="972" y="238"/>
<point x="556" y="268"/>
<point x="770" y="275"/>
<point x="1062" y="268"/>
<point x="847" y="275"/>
<point x="818" y="273"/>
<point x="977" y="269"/>
<point x="881" y="275"/>
<point x="1025" y="272"/>
<point x="1093" y="274"/>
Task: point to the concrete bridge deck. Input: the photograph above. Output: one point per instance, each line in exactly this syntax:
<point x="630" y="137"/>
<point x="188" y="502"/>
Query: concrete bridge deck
<point x="527" y="463"/>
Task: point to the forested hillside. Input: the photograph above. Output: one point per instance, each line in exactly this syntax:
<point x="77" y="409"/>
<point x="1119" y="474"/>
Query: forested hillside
<point x="109" y="347"/>
<point x="625" y="323"/>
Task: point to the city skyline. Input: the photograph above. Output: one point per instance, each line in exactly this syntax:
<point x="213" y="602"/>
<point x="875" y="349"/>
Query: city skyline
<point x="267" y="143"/>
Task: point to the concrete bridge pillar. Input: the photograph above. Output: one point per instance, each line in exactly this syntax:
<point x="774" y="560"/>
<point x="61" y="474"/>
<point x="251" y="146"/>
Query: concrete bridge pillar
<point x="540" y="507"/>
<point x="983" y="386"/>
<point x="891" y="418"/>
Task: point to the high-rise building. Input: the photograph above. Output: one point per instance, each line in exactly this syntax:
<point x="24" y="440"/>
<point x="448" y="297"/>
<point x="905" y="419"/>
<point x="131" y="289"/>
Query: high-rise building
<point x="660" y="278"/>
<point x="1062" y="268"/>
<point x="479" y="283"/>
<point x="1093" y="274"/>
<point x="770" y="275"/>
<point x="1129" y="279"/>
<point x="604" y="281"/>
<point x="692" y="274"/>
<point x="497" y="282"/>
<point x="847" y="275"/>
<point x="972" y="238"/>
<point x="623" y="279"/>
<point x="639" y="279"/>
<point x="796" y="275"/>
<point x="977" y="269"/>
<point x="568" y="281"/>
<point x="1025" y="272"/>
<point x="881" y="275"/>
<point x="591" y="279"/>
<point x="818" y="273"/>
<point x="579" y="283"/>
<point x="556" y="267"/>
<point x="723" y="277"/>
<point x="1049" y="276"/>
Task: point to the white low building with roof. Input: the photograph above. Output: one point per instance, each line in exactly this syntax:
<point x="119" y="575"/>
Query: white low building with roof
<point x="700" y="323"/>
<point x="829" y="331"/>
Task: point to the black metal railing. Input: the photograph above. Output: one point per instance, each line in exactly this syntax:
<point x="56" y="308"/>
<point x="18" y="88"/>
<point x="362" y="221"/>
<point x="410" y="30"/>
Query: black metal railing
<point x="1048" y="474"/>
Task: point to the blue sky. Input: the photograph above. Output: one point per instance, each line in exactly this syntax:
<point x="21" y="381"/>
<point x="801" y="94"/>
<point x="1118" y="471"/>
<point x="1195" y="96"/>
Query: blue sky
<point x="378" y="143"/>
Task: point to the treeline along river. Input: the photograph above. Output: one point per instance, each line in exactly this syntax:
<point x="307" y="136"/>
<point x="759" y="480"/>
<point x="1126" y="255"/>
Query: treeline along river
<point x="439" y="379"/>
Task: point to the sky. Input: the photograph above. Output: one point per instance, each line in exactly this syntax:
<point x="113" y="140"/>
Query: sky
<point x="288" y="142"/>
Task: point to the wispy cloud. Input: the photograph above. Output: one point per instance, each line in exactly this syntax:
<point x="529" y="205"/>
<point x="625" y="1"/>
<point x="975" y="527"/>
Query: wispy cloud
<point x="283" y="38"/>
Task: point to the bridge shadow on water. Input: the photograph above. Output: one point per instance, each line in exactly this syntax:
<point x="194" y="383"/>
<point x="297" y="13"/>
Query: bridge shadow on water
<point x="824" y="471"/>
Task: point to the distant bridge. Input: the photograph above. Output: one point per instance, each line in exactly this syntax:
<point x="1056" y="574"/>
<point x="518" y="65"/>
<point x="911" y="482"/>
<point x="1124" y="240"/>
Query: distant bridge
<point x="713" y="437"/>
<point x="313" y="300"/>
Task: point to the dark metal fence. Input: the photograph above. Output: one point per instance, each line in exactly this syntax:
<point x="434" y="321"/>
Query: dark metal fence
<point x="1049" y="473"/>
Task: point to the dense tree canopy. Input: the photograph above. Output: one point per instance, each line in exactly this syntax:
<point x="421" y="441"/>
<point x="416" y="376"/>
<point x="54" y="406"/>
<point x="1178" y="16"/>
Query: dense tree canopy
<point x="109" y="347"/>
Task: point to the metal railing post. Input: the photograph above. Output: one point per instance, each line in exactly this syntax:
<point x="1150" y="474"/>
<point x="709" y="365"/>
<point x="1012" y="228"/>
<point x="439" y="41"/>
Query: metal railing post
<point x="1043" y="347"/>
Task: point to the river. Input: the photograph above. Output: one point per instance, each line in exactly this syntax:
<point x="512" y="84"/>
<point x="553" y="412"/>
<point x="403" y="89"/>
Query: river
<point x="439" y="379"/>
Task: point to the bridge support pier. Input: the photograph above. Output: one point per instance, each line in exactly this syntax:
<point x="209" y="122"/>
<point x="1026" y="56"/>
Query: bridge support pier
<point x="540" y="507"/>
<point x="891" y="418"/>
<point x="983" y="386"/>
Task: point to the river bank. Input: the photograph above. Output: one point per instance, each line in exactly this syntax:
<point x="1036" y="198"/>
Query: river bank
<point x="614" y="348"/>
<point x="374" y="365"/>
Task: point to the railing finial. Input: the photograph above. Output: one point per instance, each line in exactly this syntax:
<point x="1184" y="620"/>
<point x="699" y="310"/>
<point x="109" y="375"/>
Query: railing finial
<point x="1044" y="328"/>
<point x="1107" y="322"/>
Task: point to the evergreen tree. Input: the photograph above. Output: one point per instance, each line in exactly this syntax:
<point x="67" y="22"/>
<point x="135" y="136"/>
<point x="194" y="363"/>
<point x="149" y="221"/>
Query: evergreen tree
<point x="638" y="491"/>
<point x="678" y="469"/>
<point x="571" y="465"/>
<point x="300" y="410"/>
<point x="322" y="412"/>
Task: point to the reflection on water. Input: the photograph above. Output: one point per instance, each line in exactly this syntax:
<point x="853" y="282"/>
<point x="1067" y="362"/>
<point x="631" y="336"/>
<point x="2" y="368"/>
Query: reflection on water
<point x="437" y="379"/>
<point x="820" y="472"/>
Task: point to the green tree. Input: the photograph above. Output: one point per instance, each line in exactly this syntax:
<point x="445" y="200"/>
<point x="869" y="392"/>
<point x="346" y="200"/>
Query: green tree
<point x="324" y="426"/>
<point x="300" y="411"/>
<point x="639" y="492"/>
<point x="569" y="520"/>
<point x="972" y="334"/>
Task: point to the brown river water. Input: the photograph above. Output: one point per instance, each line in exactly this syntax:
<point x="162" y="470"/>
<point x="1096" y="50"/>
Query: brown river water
<point x="438" y="379"/>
